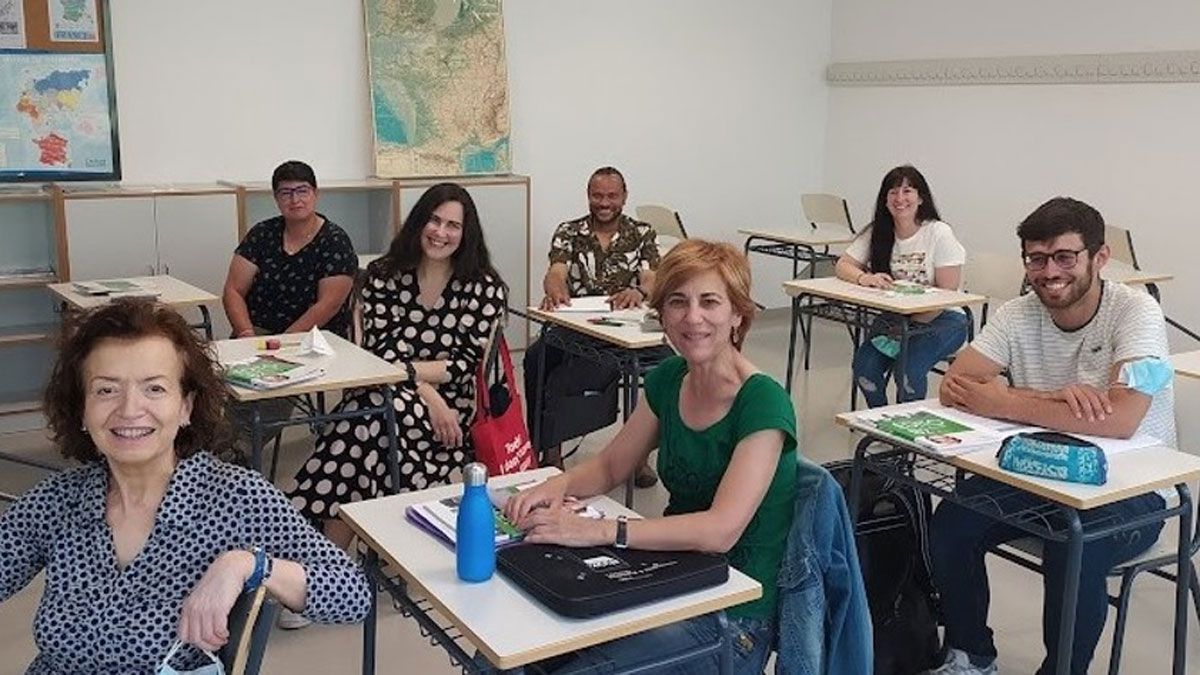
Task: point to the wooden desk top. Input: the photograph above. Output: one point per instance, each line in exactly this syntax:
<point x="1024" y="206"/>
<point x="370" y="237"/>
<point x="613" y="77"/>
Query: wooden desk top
<point x="1187" y="364"/>
<point x="803" y="235"/>
<point x="1130" y="473"/>
<point x="888" y="301"/>
<point x="508" y="626"/>
<point x="1125" y="274"/>
<point x="172" y="292"/>
<point x="628" y="335"/>
<point x="350" y="366"/>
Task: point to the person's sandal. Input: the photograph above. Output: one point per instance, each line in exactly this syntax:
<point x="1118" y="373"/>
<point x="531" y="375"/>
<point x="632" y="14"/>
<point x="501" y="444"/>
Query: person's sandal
<point x="645" y="476"/>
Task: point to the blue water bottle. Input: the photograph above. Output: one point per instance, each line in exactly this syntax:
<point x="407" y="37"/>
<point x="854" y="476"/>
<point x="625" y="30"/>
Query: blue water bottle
<point x="476" y="527"/>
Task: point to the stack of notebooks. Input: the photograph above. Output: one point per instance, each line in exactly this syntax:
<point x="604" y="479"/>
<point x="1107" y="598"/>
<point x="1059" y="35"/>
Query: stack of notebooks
<point x="270" y="372"/>
<point x="439" y="517"/>
<point x="123" y="288"/>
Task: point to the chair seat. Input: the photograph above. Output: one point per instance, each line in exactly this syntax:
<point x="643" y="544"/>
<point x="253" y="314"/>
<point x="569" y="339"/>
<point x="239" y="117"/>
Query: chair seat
<point x="1164" y="547"/>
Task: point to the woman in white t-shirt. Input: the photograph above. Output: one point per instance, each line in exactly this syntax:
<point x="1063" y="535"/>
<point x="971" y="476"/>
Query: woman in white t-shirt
<point x="906" y="243"/>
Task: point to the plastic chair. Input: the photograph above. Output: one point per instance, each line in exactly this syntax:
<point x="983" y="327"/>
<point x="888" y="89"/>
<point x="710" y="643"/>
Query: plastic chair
<point x="1120" y="243"/>
<point x="250" y="623"/>
<point x="666" y="222"/>
<point x="826" y="209"/>
<point x="999" y="277"/>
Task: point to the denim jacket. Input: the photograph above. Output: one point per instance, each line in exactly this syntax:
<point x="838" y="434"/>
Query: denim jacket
<point x="824" y="620"/>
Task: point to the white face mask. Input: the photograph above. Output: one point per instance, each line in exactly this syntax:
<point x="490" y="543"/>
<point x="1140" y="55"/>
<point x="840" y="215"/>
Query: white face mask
<point x="214" y="668"/>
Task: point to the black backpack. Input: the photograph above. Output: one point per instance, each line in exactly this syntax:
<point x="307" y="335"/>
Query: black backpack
<point x="894" y="556"/>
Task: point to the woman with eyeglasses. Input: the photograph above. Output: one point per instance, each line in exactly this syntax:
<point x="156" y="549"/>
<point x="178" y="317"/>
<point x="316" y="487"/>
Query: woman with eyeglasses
<point x="906" y="246"/>
<point x="294" y="271"/>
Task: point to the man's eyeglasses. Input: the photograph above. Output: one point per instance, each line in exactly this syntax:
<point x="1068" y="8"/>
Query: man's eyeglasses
<point x="300" y="192"/>
<point x="1064" y="258"/>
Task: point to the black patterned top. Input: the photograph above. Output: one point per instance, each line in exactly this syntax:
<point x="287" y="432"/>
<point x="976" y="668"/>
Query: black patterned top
<point x="97" y="618"/>
<point x="286" y="285"/>
<point x="591" y="270"/>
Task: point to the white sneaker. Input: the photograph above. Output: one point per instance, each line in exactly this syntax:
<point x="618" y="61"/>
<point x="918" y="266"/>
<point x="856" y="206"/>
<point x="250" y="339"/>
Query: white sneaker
<point x="958" y="662"/>
<point x="289" y="620"/>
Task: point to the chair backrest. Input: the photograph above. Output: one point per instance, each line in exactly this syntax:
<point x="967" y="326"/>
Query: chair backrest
<point x="250" y="623"/>
<point x="1000" y="277"/>
<point x="826" y="209"/>
<point x="1120" y="242"/>
<point x="666" y="222"/>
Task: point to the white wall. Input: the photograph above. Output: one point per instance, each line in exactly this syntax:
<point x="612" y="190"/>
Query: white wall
<point x="993" y="153"/>
<point x="715" y="108"/>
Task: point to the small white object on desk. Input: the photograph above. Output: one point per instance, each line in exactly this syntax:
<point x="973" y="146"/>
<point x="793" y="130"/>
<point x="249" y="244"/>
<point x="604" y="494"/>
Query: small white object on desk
<point x="314" y="343"/>
<point x="586" y="303"/>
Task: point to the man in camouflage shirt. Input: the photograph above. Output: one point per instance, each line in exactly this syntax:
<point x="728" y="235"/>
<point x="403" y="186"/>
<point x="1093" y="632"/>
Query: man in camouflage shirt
<point x="602" y="253"/>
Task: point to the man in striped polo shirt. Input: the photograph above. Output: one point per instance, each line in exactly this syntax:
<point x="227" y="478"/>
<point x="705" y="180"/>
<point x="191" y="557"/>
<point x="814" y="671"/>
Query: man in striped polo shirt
<point x="1069" y="346"/>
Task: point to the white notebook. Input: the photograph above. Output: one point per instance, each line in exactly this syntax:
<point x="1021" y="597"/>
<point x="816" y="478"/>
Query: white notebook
<point x="587" y="303"/>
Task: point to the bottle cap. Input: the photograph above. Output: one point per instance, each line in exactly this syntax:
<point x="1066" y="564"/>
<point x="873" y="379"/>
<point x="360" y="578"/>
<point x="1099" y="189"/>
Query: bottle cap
<point x="475" y="473"/>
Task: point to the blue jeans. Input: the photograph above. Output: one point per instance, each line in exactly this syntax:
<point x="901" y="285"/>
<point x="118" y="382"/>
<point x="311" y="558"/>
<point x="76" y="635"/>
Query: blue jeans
<point x="959" y="538"/>
<point x="872" y="368"/>
<point x="753" y="640"/>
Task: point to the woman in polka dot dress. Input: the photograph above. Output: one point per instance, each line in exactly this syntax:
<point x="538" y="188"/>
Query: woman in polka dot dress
<point x="153" y="538"/>
<point x="429" y="303"/>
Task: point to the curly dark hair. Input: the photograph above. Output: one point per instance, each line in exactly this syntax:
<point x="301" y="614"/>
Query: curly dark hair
<point x="131" y="319"/>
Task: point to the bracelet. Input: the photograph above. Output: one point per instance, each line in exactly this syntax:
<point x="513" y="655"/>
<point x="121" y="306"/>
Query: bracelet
<point x="262" y="570"/>
<point x="411" y="371"/>
<point x="640" y="291"/>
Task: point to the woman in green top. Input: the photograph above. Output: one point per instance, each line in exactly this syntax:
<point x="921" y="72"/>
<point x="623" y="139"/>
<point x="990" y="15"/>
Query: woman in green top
<point x="726" y="435"/>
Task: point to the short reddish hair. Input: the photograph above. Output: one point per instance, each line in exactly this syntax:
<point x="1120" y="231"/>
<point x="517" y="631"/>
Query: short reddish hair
<point x="692" y="257"/>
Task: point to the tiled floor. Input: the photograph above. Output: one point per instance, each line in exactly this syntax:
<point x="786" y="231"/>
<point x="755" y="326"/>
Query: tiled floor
<point x="819" y="394"/>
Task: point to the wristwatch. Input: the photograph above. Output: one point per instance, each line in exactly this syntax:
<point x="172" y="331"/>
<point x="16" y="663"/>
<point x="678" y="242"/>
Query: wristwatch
<point x="622" y="532"/>
<point x="262" y="569"/>
<point x="411" y="371"/>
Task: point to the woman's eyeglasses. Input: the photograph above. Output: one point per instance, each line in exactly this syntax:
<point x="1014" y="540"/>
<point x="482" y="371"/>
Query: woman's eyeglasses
<point x="300" y="191"/>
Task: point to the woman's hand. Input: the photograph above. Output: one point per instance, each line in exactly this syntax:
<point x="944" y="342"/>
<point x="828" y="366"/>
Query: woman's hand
<point x="562" y="526"/>
<point x="442" y="417"/>
<point x="204" y="617"/>
<point x="548" y="495"/>
<point x="876" y="280"/>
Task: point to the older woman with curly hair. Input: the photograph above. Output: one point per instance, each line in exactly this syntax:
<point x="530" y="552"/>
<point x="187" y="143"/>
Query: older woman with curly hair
<point x="153" y="538"/>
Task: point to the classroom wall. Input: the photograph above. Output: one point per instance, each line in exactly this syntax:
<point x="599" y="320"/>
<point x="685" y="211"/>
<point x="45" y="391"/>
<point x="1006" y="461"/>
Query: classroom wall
<point x="715" y="108"/>
<point x="993" y="153"/>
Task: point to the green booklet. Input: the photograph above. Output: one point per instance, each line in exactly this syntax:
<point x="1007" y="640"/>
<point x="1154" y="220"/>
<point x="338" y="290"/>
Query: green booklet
<point x="122" y="287"/>
<point x="940" y="431"/>
<point x="270" y="372"/>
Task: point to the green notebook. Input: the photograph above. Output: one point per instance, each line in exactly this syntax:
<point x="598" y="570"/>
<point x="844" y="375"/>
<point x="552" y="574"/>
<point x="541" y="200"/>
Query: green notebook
<point x="270" y="372"/>
<point x="938" y="431"/>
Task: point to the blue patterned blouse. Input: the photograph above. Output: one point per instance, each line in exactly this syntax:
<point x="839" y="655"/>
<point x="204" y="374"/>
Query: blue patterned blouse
<point x="96" y="618"/>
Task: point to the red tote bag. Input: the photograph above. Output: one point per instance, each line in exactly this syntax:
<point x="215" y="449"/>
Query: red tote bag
<point x="501" y="441"/>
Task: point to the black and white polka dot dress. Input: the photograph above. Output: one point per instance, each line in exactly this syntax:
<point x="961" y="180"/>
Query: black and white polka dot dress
<point x="97" y="618"/>
<point x="349" y="462"/>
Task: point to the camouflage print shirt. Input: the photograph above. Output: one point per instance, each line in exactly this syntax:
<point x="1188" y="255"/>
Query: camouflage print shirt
<point x="593" y="271"/>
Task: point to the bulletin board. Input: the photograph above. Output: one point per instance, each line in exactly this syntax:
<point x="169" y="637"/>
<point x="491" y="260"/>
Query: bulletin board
<point x="58" y="112"/>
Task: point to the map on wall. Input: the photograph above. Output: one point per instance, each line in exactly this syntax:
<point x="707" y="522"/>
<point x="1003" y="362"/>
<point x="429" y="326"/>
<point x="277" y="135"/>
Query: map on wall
<point x="55" y="116"/>
<point x="439" y="87"/>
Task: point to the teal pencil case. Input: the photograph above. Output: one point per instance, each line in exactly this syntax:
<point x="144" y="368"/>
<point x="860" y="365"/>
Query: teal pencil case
<point x="1049" y="454"/>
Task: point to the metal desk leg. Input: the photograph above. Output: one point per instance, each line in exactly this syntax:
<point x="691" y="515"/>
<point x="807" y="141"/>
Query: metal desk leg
<point x="371" y="567"/>
<point x="898" y="371"/>
<point x="256" y="437"/>
<point x="1070" y="599"/>
<point x="206" y="322"/>
<point x="808" y="330"/>
<point x="540" y="391"/>
<point x="791" y="360"/>
<point x="856" y="474"/>
<point x="1183" y="569"/>
<point x="389" y="418"/>
<point x="1154" y="292"/>
<point x="630" y="377"/>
